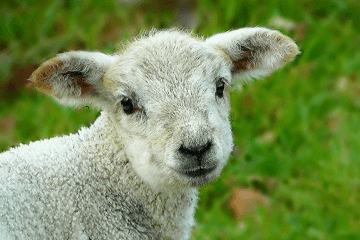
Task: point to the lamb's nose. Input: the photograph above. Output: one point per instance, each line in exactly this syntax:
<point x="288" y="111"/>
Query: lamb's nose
<point x="197" y="151"/>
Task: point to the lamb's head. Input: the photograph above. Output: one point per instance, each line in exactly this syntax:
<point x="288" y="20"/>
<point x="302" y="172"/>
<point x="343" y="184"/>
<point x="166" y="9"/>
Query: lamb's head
<point x="168" y="95"/>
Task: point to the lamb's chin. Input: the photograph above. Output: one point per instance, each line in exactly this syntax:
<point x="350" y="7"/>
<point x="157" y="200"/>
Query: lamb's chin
<point x="184" y="179"/>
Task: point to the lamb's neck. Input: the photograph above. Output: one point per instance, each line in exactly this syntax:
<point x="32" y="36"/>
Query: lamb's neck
<point x="171" y="209"/>
<point x="102" y="131"/>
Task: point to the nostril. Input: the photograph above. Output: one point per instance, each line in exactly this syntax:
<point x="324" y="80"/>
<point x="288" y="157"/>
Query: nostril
<point x="195" y="150"/>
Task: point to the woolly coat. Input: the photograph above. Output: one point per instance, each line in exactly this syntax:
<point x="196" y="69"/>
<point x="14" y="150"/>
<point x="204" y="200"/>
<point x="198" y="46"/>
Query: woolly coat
<point x="82" y="186"/>
<point x="85" y="185"/>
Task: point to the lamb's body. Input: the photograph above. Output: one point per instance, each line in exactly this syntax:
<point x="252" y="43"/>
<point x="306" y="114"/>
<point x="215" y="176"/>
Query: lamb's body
<point x="80" y="186"/>
<point x="164" y="131"/>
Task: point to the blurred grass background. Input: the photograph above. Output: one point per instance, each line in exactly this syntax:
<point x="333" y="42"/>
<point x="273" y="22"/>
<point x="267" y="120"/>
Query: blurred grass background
<point x="297" y="133"/>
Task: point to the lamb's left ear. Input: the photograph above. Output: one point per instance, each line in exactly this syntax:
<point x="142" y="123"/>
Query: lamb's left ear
<point x="255" y="52"/>
<point x="73" y="78"/>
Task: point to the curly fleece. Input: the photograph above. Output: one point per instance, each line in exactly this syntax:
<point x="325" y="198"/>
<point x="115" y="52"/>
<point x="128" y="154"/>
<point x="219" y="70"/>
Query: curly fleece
<point x="82" y="186"/>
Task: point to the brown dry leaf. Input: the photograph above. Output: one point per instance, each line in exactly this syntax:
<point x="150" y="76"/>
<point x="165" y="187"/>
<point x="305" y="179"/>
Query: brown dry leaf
<point x="245" y="201"/>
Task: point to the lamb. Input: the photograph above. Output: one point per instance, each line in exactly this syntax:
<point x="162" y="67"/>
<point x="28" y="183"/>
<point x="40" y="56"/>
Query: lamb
<point x="164" y="130"/>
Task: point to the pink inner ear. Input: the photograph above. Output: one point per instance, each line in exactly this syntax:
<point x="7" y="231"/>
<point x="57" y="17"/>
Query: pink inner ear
<point x="245" y="62"/>
<point x="84" y="86"/>
<point x="78" y="78"/>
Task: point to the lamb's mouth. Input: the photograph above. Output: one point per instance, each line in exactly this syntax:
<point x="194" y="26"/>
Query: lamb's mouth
<point x="200" y="172"/>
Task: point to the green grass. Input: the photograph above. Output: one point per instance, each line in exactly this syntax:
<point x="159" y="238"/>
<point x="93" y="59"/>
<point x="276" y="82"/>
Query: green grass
<point x="310" y="108"/>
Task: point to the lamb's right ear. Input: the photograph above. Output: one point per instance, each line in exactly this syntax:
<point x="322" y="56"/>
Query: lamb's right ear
<point x="74" y="78"/>
<point x="255" y="52"/>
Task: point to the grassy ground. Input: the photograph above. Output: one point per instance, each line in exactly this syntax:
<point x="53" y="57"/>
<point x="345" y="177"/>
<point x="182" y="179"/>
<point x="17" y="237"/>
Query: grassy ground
<point x="297" y="133"/>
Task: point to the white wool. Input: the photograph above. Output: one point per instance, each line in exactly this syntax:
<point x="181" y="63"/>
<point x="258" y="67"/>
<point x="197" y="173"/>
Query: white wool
<point x="82" y="185"/>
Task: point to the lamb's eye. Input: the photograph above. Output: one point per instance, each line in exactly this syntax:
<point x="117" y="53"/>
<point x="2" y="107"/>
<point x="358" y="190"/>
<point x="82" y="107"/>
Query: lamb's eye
<point x="128" y="105"/>
<point x="220" y="84"/>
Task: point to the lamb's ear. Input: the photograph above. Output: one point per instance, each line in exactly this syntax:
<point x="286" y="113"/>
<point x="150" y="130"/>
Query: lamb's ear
<point x="255" y="52"/>
<point x="74" y="78"/>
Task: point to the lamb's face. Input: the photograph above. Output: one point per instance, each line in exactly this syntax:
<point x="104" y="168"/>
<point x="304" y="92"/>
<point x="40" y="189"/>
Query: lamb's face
<point x="172" y="102"/>
<point x="169" y="95"/>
